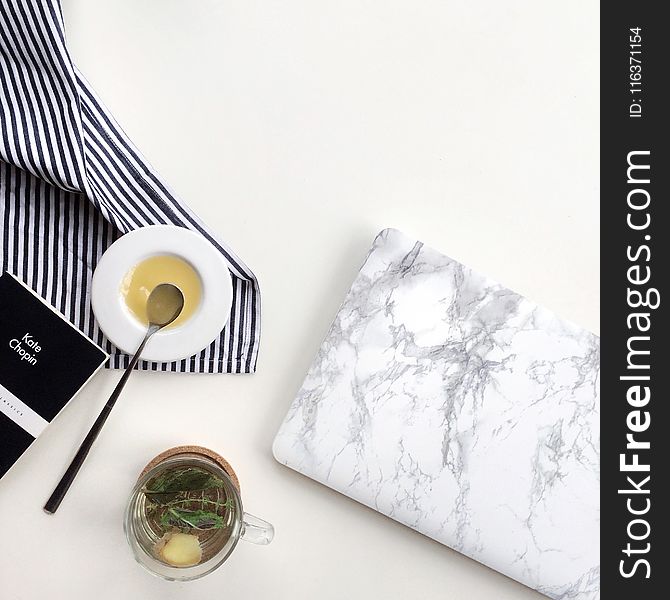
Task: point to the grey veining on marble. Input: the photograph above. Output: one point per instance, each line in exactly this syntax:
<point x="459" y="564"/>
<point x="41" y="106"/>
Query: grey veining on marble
<point x="463" y="410"/>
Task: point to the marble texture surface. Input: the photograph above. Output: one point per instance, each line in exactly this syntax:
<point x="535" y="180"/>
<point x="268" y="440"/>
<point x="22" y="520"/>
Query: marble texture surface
<point x="461" y="409"/>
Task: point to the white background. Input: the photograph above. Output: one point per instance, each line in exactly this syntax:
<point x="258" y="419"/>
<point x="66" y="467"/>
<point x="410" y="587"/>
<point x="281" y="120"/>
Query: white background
<point x="298" y="129"/>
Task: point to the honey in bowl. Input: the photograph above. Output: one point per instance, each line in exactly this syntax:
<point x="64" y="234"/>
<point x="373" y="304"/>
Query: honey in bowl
<point x="140" y="281"/>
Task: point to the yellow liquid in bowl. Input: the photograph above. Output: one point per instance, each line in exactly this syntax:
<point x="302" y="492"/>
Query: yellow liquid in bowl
<point x="140" y="281"/>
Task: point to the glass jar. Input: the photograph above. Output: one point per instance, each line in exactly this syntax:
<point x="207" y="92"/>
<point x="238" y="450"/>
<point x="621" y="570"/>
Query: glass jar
<point x="185" y="516"/>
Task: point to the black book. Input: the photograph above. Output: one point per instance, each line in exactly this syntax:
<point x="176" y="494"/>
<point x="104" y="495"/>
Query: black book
<point x="44" y="362"/>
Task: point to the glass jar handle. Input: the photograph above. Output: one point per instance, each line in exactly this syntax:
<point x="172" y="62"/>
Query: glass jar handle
<point x="256" y="530"/>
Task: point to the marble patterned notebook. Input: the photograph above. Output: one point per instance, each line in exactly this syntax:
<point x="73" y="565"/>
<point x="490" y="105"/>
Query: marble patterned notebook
<point x="465" y="411"/>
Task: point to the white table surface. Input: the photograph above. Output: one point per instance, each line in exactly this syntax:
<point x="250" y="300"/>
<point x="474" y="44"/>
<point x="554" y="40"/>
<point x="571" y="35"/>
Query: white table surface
<point x="298" y="129"/>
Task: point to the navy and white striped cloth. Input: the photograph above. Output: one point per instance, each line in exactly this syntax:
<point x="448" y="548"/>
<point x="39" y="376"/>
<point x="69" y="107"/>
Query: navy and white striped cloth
<point x="71" y="182"/>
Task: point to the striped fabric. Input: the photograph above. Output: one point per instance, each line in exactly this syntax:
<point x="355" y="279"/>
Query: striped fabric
<point x="71" y="183"/>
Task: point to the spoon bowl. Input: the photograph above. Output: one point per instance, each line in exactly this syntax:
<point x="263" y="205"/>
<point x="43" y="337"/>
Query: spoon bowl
<point x="164" y="304"/>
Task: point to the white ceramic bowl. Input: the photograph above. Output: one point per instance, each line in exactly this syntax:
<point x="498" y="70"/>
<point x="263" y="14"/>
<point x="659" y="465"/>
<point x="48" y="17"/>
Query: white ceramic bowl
<point x="174" y="343"/>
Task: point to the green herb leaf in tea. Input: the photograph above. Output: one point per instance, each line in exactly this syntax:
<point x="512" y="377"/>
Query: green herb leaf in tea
<point x="197" y="519"/>
<point x="188" y="498"/>
<point x="189" y="479"/>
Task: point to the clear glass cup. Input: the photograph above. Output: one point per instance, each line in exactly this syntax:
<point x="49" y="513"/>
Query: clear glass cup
<point x="147" y="533"/>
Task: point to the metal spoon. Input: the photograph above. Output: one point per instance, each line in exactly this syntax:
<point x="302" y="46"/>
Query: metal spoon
<point x="164" y="305"/>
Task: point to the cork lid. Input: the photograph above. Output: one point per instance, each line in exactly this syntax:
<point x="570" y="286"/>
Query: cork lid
<point x="177" y="450"/>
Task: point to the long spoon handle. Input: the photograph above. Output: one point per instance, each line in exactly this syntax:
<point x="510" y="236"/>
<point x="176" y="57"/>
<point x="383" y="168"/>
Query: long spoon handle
<point x="68" y="477"/>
